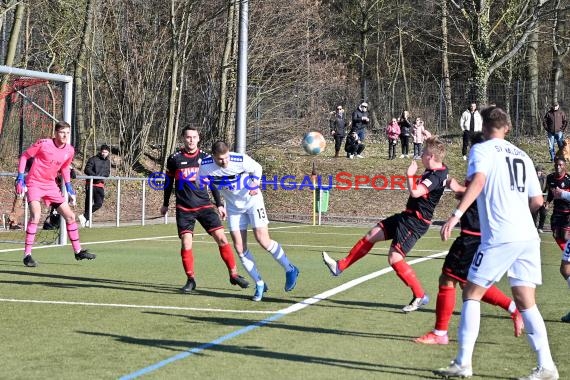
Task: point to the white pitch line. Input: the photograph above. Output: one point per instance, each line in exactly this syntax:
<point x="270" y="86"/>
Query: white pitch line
<point x="350" y="284"/>
<point x="295" y="307"/>
<point x="280" y="314"/>
<point x="124" y="240"/>
<point x="118" y="305"/>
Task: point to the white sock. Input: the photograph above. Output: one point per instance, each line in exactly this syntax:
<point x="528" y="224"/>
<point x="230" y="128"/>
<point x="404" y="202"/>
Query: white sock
<point x="248" y="263"/>
<point x="279" y="255"/>
<point x="537" y="336"/>
<point x="512" y="307"/>
<point x="440" y="332"/>
<point x="468" y="331"/>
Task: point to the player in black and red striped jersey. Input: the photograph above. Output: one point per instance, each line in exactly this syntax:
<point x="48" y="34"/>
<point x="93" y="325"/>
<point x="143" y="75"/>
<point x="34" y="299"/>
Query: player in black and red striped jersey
<point x="560" y="219"/>
<point x="193" y="204"/>
<point x="408" y="226"/>
<point x="455" y="270"/>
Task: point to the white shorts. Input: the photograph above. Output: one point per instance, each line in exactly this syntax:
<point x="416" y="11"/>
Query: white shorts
<point x="566" y="253"/>
<point x="520" y="260"/>
<point x="255" y="215"/>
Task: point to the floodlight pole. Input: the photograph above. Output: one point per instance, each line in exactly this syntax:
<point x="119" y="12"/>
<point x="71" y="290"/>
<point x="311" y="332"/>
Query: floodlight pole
<point x="241" y="95"/>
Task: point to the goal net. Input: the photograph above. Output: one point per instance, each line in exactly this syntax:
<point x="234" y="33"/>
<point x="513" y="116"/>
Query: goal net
<point x="31" y="102"/>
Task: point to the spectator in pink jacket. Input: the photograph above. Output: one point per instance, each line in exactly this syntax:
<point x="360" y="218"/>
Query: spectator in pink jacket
<point x="419" y="133"/>
<point x="393" y="133"/>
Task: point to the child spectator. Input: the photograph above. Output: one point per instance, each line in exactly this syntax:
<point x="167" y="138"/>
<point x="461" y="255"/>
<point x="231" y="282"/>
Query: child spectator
<point x="393" y="133"/>
<point x="419" y="133"/>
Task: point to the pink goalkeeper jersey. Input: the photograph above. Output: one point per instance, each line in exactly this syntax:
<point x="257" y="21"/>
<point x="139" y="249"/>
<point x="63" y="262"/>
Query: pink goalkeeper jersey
<point x="49" y="160"/>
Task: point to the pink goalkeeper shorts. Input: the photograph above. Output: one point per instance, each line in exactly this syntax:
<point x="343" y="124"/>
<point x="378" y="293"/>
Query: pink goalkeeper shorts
<point x="48" y="192"/>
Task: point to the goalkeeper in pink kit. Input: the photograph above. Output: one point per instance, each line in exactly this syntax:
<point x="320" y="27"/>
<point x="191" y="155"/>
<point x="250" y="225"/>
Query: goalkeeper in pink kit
<point x="51" y="157"/>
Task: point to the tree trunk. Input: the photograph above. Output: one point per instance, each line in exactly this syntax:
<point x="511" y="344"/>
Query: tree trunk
<point x="532" y="67"/>
<point x="403" y="64"/>
<point x="223" y="121"/>
<point x="445" y="66"/>
<point x="364" y="54"/>
<point x="13" y="42"/>
<point x="80" y="64"/>
<point x="169" y="138"/>
<point x="559" y="51"/>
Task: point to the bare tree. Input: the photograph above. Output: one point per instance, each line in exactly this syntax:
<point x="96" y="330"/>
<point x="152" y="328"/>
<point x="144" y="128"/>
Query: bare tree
<point x="560" y="47"/>
<point x="80" y="65"/>
<point x="491" y="38"/>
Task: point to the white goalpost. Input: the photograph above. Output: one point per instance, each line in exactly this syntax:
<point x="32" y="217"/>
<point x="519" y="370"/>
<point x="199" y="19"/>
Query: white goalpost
<point x="67" y="104"/>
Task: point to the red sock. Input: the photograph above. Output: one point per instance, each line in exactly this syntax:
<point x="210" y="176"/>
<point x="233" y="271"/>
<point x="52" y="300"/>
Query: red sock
<point x="360" y="249"/>
<point x="444" y="307"/>
<point x="30" y="237"/>
<point x="561" y="243"/>
<point x="187" y="261"/>
<point x="408" y="275"/>
<point x="228" y="256"/>
<point x="495" y="296"/>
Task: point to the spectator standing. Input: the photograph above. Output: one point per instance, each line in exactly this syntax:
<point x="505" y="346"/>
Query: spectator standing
<point x="97" y="166"/>
<point x="554" y="124"/>
<point x="419" y="134"/>
<point x="405" y="133"/>
<point x="393" y="134"/>
<point x="353" y="146"/>
<point x="337" y="123"/>
<point x="470" y="123"/>
<point x="360" y="120"/>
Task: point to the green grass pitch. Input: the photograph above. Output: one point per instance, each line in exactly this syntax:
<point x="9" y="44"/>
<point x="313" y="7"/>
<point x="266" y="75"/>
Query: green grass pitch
<point x="122" y="315"/>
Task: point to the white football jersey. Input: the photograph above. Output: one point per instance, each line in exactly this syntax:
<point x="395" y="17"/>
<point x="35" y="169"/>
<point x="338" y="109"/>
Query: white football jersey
<point x="235" y="181"/>
<point x="511" y="180"/>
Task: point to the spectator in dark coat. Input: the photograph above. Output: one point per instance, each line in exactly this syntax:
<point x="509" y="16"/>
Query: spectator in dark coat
<point x="337" y="123"/>
<point x="405" y="133"/>
<point x="554" y="124"/>
<point x="353" y="146"/>
<point x="97" y="166"/>
<point x="360" y="120"/>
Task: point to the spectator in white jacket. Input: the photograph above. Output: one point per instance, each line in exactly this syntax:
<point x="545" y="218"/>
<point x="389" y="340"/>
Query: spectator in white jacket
<point x="470" y="124"/>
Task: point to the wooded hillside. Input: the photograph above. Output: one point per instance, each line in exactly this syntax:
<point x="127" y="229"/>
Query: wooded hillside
<point x="144" y="68"/>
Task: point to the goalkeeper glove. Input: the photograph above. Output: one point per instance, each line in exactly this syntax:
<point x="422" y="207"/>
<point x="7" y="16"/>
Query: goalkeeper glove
<point x="71" y="194"/>
<point x="20" y="185"/>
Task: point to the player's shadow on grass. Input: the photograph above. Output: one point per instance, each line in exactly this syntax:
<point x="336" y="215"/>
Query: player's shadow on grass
<point x="43" y="279"/>
<point x="71" y="282"/>
<point x="246" y="322"/>
<point x="238" y="322"/>
<point x="197" y="348"/>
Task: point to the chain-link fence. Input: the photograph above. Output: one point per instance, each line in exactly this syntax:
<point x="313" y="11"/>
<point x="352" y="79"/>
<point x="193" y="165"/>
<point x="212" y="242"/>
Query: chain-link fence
<point x="284" y="118"/>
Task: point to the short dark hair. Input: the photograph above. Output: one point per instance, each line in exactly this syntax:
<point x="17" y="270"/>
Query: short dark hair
<point x="495" y="118"/>
<point x="188" y="128"/>
<point x="61" y="125"/>
<point x="220" y="147"/>
<point x="105" y="147"/>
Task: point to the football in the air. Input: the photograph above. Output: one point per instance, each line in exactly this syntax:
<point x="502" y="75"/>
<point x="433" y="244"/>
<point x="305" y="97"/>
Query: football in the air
<point x="314" y="143"/>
